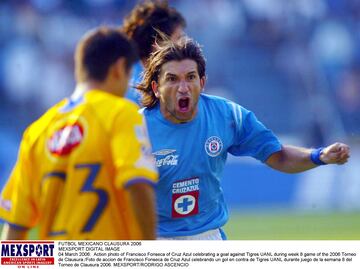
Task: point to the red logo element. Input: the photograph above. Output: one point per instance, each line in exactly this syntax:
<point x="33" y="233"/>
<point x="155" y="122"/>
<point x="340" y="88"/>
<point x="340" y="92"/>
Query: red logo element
<point x="185" y="204"/>
<point x="27" y="261"/>
<point x="66" y="139"/>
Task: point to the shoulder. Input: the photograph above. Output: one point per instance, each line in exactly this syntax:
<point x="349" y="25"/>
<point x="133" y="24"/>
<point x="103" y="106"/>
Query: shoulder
<point x="222" y="104"/>
<point x="215" y="100"/>
<point x="224" y="108"/>
<point x="212" y="98"/>
<point x="109" y="105"/>
<point x="149" y="111"/>
<point x="34" y="130"/>
<point x="129" y="111"/>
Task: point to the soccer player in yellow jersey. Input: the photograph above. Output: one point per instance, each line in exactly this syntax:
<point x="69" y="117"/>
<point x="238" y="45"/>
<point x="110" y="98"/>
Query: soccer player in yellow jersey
<point x="85" y="169"/>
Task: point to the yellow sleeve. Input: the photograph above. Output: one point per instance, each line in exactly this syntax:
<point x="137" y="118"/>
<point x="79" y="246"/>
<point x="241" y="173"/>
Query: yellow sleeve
<point x="18" y="206"/>
<point x="131" y="149"/>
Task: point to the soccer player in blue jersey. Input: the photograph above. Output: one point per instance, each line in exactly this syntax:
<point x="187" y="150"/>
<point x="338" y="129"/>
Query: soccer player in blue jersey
<point x="191" y="135"/>
<point x="142" y="25"/>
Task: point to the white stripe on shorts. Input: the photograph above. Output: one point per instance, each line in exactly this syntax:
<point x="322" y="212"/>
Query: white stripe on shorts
<point x="208" y="235"/>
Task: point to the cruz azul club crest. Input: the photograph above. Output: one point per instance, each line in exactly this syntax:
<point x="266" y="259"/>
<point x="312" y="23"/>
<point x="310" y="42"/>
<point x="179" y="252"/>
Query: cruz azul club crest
<point x="213" y="146"/>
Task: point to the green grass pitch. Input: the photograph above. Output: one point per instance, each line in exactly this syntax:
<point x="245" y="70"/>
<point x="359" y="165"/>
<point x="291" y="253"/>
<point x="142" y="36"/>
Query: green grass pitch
<point x="293" y="226"/>
<point x="274" y="225"/>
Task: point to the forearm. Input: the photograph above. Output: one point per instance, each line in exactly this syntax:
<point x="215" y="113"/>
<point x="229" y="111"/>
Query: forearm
<point x="291" y="159"/>
<point x="143" y="201"/>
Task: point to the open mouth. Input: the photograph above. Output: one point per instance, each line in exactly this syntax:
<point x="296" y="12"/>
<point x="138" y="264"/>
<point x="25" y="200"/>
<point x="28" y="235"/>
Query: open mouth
<point x="184" y="103"/>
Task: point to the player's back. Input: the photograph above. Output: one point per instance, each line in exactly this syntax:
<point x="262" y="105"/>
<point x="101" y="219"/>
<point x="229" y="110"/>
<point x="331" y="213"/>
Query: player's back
<point x="78" y="162"/>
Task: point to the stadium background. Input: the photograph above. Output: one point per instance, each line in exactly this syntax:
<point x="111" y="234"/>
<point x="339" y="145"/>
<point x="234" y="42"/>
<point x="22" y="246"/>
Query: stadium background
<point x="296" y="64"/>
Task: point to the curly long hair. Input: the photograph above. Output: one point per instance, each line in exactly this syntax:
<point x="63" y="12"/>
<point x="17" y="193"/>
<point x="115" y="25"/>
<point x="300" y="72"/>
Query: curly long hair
<point x="184" y="48"/>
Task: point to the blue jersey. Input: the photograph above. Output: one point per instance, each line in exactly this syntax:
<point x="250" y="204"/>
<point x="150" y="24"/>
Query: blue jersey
<point x="191" y="158"/>
<point x="132" y="94"/>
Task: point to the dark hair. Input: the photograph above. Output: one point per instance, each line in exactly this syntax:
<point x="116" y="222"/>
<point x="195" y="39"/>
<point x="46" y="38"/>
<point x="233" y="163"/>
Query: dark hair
<point x="98" y="50"/>
<point x="146" y="19"/>
<point x="167" y="51"/>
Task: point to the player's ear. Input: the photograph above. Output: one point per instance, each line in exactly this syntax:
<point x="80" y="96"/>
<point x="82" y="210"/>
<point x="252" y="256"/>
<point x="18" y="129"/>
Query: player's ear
<point x="202" y="82"/>
<point x="154" y="87"/>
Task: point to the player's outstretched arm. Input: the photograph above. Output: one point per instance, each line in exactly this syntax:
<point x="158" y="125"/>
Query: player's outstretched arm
<point x="293" y="159"/>
<point x="143" y="201"/>
<point x="10" y="233"/>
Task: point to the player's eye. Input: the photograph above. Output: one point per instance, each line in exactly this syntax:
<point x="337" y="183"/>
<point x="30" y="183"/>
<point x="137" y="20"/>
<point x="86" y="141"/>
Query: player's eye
<point x="191" y="76"/>
<point x="170" y="78"/>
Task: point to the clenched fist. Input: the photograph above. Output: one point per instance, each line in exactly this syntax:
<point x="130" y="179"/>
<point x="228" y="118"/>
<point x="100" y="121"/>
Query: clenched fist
<point x="337" y="153"/>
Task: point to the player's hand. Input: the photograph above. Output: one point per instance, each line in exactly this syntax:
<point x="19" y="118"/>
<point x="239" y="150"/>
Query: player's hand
<point x="337" y="153"/>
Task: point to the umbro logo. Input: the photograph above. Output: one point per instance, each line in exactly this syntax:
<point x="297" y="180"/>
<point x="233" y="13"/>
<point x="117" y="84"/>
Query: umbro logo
<point x="165" y="157"/>
<point x="163" y="152"/>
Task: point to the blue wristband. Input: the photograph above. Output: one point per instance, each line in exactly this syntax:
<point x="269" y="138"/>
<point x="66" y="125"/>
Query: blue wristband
<point x="315" y="156"/>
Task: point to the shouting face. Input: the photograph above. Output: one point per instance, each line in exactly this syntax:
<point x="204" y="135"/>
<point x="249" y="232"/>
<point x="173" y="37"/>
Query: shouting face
<point x="178" y="90"/>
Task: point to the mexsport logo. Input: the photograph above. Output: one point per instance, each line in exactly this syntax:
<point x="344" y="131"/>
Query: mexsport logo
<point x="27" y="252"/>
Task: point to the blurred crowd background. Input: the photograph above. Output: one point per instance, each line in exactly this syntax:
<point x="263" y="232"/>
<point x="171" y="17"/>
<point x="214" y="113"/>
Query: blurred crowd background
<point x="296" y="64"/>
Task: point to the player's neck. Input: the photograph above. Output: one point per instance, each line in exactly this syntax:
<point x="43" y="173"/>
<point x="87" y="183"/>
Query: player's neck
<point x="83" y="87"/>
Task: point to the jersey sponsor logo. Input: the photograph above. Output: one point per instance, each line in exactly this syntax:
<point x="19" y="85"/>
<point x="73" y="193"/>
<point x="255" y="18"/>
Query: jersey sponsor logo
<point x="185" y="198"/>
<point x="164" y="152"/>
<point x="213" y="146"/>
<point x="170" y="159"/>
<point x="66" y="139"/>
<point x="27" y="253"/>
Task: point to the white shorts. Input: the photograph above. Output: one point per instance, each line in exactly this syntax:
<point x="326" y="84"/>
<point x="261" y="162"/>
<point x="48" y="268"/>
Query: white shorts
<point x="216" y="234"/>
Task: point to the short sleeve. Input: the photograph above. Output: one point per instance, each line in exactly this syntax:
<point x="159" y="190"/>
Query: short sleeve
<point x="251" y="137"/>
<point x="18" y="205"/>
<point x="131" y="149"/>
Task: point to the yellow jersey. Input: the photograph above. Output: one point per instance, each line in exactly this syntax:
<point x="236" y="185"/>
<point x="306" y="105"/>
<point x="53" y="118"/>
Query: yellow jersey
<point x="72" y="169"/>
